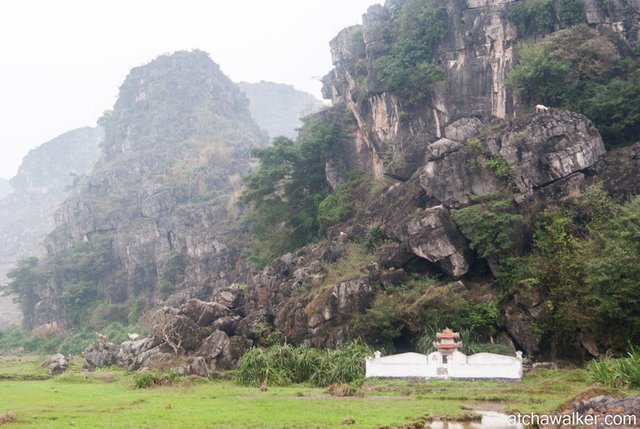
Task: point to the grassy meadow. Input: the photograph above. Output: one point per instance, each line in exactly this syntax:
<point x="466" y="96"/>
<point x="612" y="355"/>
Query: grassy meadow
<point x="108" y="399"/>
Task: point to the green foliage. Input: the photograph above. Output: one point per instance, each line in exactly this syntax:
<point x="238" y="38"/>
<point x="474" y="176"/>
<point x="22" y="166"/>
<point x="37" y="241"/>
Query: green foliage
<point x="572" y="12"/>
<point x="376" y="236"/>
<point x="532" y="17"/>
<point x="586" y="71"/>
<point x="75" y="272"/>
<point x="586" y="264"/>
<point x="172" y="272"/>
<point x="500" y="167"/>
<point x="615" y="108"/>
<point x="284" y="193"/>
<point x="24" y="281"/>
<point x="408" y="69"/>
<point x="335" y="207"/>
<point x="623" y="373"/>
<point x="539" y="76"/>
<point x="145" y="379"/>
<point x="422" y="306"/>
<point x="282" y="365"/>
<point x="488" y="225"/>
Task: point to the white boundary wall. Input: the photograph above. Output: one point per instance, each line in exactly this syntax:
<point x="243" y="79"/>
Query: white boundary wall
<point x="458" y="365"/>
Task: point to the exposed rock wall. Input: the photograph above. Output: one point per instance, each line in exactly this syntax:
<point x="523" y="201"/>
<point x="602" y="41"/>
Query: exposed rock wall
<point x="477" y="53"/>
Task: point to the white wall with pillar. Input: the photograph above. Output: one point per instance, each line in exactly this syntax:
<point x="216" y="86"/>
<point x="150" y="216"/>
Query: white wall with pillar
<point x="437" y="365"/>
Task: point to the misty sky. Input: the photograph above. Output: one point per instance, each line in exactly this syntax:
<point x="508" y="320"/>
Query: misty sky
<point x="62" y="61"/>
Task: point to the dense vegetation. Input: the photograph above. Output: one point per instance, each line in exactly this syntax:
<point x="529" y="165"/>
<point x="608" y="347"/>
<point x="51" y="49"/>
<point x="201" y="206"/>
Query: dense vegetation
<point x="284" y="364"/>
<point x="534" y="18"/>
<point x="290" y="202"/>
<point x="419" y="309"/>
<point x="585" y="262"/>
<point x="76" y="272"/>
<point x="417" y="29"/>
<point x="619" y="373"/>
<point x="584" y="70"/>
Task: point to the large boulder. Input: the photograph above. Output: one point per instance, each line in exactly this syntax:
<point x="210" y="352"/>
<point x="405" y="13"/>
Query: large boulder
<point x="520" y="325"/>
<point x="231" y="297"/>
<point x="204" y="313"/>
<point x="130" y="350"/>
<point x="194" y="366"/>
<point x="56" y="364"/>
<point x="543" y="148"/>
<point x="100" y="354"/>
<point x="434" y="237"/>
<point x="213" y="346"/>
<point x="453" y="173"/>
<point x="221" y="351"/>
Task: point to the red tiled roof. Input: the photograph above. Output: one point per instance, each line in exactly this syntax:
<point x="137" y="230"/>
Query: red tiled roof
<point x="447" y="333"/>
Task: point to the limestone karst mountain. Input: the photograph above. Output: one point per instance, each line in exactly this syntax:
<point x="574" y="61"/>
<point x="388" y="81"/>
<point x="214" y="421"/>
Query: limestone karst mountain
<point x="157" y="210"/>
<point x="430" y="194"/>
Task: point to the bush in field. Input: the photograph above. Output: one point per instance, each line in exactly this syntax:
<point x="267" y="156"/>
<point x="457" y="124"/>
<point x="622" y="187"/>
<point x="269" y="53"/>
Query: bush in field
<point x="620" y="373"/>
<point x="145" y="379"/>
<point x="285" y="364"/>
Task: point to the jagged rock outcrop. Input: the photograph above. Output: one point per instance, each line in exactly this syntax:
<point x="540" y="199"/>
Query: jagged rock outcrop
<point x="277" y="108"/>
<point x="543" y="148"/>
<point x="56" y="364"/>
<point x="436" y="238"/>
<point x="195" y="329"/>
<point x="100" y="354"/>
<point x="277" y="298"/>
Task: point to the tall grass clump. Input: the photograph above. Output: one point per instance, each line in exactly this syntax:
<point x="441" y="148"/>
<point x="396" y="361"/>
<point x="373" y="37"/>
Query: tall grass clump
<point x="282" y="365"/>
<point x="623" y="373"/>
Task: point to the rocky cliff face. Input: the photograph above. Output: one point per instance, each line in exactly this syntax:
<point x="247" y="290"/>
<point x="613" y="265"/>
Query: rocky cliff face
<point x="477" y="52"/>
<point x="277" y="108"/>
<point x="159" y="204"/>
<point x="41" y="184"/>
<point x="461" y="141"/>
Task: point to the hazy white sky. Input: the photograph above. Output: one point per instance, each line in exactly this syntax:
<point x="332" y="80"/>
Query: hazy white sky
<point x="62" y="61"/>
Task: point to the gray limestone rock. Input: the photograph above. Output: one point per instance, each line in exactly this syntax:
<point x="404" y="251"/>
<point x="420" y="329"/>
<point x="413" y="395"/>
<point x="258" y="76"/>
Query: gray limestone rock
<point x="56" y="364"/>
<point x="543" y="148"/>
<point x="434" y="237"/>
<point x="100" y="354"/>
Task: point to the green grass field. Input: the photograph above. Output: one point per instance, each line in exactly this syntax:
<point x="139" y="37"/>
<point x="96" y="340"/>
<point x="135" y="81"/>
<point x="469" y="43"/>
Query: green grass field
<point x="107" y="398"/>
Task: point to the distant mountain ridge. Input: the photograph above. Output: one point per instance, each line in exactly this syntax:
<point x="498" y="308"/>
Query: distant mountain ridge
<point x="5" y="188"/>
<point x="40" y="185"/>
<point x="277" y="107"/>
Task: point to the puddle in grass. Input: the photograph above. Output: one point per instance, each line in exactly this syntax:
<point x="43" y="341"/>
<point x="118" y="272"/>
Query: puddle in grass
<point x="490" y="420"/>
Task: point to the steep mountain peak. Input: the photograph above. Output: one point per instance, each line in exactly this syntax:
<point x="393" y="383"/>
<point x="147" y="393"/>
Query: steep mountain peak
<point x="173" y="98"/>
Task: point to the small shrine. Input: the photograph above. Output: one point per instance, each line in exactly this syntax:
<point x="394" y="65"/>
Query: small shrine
<point x="446" y="362"/>
<point x="447" y="344"/>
